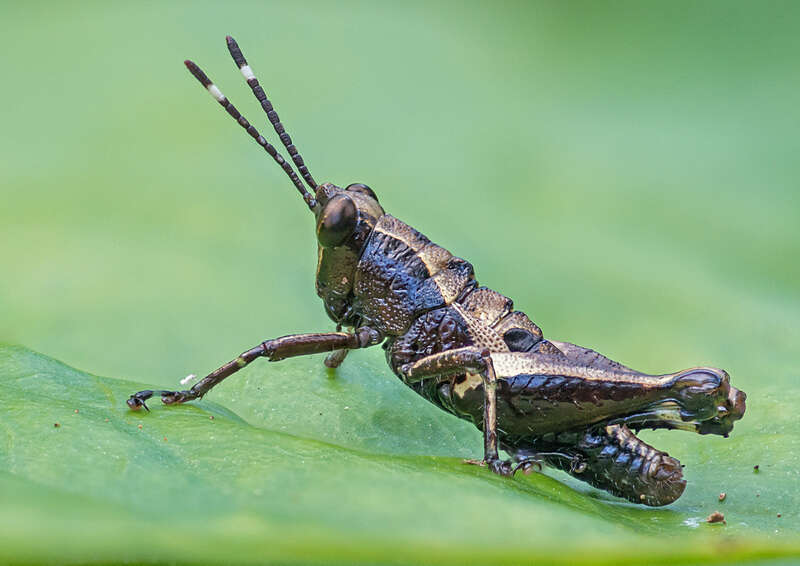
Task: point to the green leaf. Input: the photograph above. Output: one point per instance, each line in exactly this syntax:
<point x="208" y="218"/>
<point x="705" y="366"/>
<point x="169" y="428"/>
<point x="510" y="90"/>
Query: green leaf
<point x="351" y="468"/>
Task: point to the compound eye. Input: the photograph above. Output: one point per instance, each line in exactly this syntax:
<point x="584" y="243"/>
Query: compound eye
<point x="363" y="189"/>
<point x="337" y="221"/>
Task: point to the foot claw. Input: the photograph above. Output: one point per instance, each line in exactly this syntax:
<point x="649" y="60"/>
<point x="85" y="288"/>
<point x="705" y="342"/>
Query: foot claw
<point x="137" y="400"/>
<point x="506" y="467"/>
<point x="527" y="466"/>
<point x="502" y="467"/>
<point x="578" y="465"/>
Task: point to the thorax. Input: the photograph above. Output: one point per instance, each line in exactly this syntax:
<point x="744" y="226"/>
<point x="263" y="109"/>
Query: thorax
<point x="401" y="274"/>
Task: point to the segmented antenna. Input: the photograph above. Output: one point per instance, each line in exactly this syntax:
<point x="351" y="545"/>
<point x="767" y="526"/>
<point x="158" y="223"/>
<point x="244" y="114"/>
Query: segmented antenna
<point x="252" y="81"/>
<point x="231" y="109"/>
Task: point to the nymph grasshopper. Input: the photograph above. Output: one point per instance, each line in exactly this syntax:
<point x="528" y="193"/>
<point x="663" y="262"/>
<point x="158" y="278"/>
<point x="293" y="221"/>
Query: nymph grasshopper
<point x="464" y="347"/>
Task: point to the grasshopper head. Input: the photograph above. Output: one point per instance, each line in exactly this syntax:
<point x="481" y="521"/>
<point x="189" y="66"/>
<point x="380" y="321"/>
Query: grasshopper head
<point x="345" y="219"/>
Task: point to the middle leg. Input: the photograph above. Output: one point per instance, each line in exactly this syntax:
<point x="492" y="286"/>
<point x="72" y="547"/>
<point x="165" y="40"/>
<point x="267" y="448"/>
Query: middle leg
<point x="476" y="361"/>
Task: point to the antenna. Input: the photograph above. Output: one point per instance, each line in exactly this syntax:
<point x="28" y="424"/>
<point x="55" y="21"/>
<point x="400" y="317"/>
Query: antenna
<point x="231" y="109"/>
<point x="252" y="81"/>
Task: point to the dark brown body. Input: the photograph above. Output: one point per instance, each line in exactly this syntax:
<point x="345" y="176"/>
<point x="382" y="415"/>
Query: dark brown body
<point x="464" y="348"/>
<point x="568" y="404"/>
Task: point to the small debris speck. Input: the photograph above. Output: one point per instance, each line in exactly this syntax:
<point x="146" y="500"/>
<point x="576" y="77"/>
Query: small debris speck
<point x="758" y="495"/>
<point x="188" y="378"/>
<point x="716" y="517"/>
<point x="347" y="408"/>
<point x="722" y="496"/>
<point x="76" y="410"/>
<point x="56" y="425"/>
<point x="755" y="468"/>
<point x="140" y="427"/>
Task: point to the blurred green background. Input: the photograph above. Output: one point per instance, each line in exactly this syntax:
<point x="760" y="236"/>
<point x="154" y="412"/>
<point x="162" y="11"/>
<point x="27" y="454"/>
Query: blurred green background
<point x="626" y="171"/>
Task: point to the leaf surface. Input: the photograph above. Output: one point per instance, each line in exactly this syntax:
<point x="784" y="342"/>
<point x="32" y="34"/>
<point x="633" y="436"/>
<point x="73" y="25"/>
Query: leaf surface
<point x="351" y="468"/>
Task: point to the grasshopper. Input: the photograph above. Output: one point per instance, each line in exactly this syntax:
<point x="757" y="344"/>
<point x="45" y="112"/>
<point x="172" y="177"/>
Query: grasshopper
<point x="464" y="348"/>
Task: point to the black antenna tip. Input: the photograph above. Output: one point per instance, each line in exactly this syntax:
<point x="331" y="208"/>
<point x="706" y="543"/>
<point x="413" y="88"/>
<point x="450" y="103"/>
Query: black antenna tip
<point x="235" y="52"/>
<point x="197" y="72"/>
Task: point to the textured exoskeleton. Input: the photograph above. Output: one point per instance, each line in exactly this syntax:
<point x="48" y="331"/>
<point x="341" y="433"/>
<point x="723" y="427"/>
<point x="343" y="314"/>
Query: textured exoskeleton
<point x="464" y="348"/>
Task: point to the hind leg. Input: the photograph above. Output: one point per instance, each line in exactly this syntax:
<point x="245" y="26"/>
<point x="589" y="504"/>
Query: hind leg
<point x="613" y="459"/>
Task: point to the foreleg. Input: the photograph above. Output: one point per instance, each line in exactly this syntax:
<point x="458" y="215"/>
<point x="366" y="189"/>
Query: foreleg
<point x="274" y="350"/>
